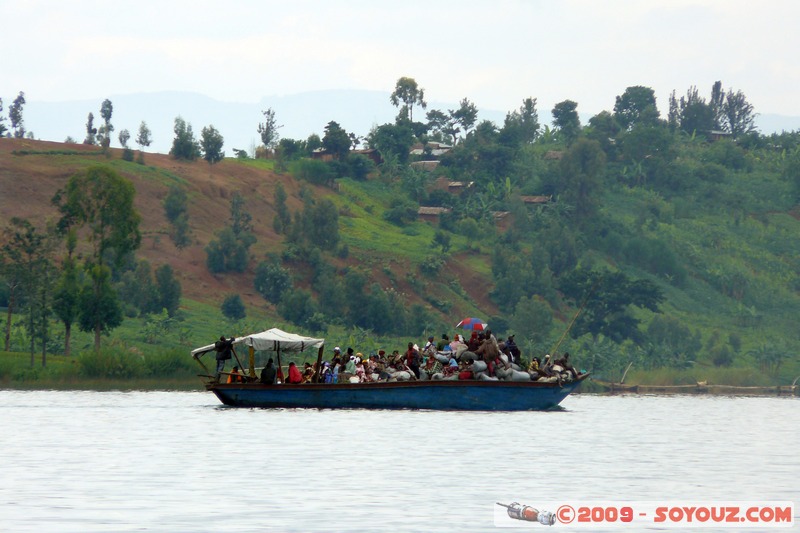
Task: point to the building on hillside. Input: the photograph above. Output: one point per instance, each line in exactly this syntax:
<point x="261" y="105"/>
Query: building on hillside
<point x="553" y="155"/>
<point x="536" y="200"/>
<point x="428" y="166"/>
<point x="717" y="135"/>
<point x="502" y="220"/>
<point x="432" y="214"/>
<point x="432" y="148"/>
<point x="323" y="155"/>
<point x="371" y="153"/>
<point x="453" y="187"/>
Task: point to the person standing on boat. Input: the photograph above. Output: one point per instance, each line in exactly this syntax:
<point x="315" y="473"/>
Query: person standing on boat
<point x="512" y="349"/>
<point x="224" y="349"/>
<point x="269" y="373"/>
<point x="413" y="359"/>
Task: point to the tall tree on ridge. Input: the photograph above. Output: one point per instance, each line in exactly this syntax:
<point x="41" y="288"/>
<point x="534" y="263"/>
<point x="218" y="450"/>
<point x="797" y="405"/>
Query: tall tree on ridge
<point x="636" y="105"/>
<point x="211" y="142"/>
<point x="106" y="109"/>
<point x="268" y="130"/>
<point x="91" y="131"/>
<point x="15" y="115"/>
<point x="737" y="114"/>
<point x="565" y="118"/>
<point x="3" y="128"/>
<point x="410" y="94"/>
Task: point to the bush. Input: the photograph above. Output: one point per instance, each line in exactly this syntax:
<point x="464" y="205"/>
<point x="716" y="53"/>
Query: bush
<point x="112" y="363"/>
<point x="403" y="212"/>
<point x="361" y="166"/>
<point x="271" y="281"/>
<point x="172" y="363"/>
<point x="712" y="172"/>
<point x="727" y="154"/>
<point x="233" y="307"/>
<point x="312" y="171"/>
<point x="431" y="266"/>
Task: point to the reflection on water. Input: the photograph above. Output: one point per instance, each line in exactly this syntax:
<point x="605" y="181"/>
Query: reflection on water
<point x="175" y="461"/>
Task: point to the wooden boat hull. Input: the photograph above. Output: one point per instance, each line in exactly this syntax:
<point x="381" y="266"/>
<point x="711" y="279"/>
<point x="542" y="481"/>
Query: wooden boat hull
<point x="438" y="395"/>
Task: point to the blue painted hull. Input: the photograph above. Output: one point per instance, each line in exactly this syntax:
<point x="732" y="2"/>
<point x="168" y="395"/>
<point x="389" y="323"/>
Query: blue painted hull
<point x="440" y="395"/>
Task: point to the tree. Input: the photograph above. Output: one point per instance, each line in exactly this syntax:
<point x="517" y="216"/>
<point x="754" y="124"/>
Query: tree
<point x="636" y="105"/>
<point x="604" y="129"/>
<point x="441" y="240"/>
<point x="177" y="211"/>
<point x="737" y="114"/>
<point x="101" y="202"/>
<point x="241" y="219"/>
<point x="717" y="103"/>
<point x="521" y="126"/>
<point x="269" y="129"/>
<point x="438" y="124"/>
<point x="136" y="290"/>
<point x="91" y="131"/>
<point x="410" y="94"/>
<point x="106" y="109"/>
<point x="392" y="140"/>
<point x="100" y="309"/>
<point x="15" y="116"/>
<point x="229" y="251"/>
<point x="532" y="317"/>
<point x="66" y="298"/>
<point x="581" y="169"/>
<point x="466" y="115"/>
<point x="3" y="127"/>
<point x="272" y="281"/>
<point x="13" y="272"/>
<point x="336" y="140"/>
<point x="233" y="307"/>
<point x="566" y="120"/>
<point x="321" y="224"/>
<point x="169" y="289"/>
<point x="283" y="218"/>
<point x="25" y="262"/>
<point x="696" y="116"/>
<point x="211" y="142"/>
<point x="606" y="298"/>
<point x="176" y="202"/>
<point x="124" y="137"/>
<point x="143" y="138"/>
<point x="184" y="146"/>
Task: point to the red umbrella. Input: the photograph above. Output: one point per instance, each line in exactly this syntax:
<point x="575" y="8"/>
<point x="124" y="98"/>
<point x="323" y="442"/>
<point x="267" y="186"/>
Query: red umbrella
<point x="475" y="324"/>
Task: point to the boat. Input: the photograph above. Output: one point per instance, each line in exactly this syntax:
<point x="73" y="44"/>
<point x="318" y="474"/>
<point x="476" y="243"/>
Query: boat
<point x="460" y="395"/>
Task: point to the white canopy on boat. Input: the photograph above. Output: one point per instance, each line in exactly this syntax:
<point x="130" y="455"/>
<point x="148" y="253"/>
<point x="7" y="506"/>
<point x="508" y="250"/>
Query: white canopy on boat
<point x="271" y="340"/>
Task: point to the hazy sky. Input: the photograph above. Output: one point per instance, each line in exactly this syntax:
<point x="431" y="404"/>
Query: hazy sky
<point x="493" y="52"/>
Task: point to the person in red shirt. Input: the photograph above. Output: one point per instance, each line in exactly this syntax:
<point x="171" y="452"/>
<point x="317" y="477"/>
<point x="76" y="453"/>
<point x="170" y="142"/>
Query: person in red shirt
<point x="295" y="378"/>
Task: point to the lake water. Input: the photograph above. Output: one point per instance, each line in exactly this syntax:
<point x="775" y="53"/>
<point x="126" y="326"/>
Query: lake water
<point x="177" y="461"/>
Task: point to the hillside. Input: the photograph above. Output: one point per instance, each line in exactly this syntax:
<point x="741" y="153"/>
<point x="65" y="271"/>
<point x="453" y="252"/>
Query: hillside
<point x="28" y="183"/>
<point x="713" y="227"/>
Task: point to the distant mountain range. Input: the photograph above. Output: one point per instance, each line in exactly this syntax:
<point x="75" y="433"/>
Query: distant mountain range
<point x="300" y="114"/>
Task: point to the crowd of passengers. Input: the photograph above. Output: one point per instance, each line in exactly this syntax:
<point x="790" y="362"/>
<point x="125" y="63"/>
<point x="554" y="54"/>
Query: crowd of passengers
<point x="480" y="356"/>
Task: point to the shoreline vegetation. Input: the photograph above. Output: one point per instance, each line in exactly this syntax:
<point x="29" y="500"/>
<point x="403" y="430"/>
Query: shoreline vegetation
<point x="175" y="370"/>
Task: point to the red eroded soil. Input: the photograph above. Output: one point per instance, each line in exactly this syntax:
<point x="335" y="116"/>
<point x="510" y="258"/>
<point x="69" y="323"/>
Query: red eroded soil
<point x="28" y="183"/>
